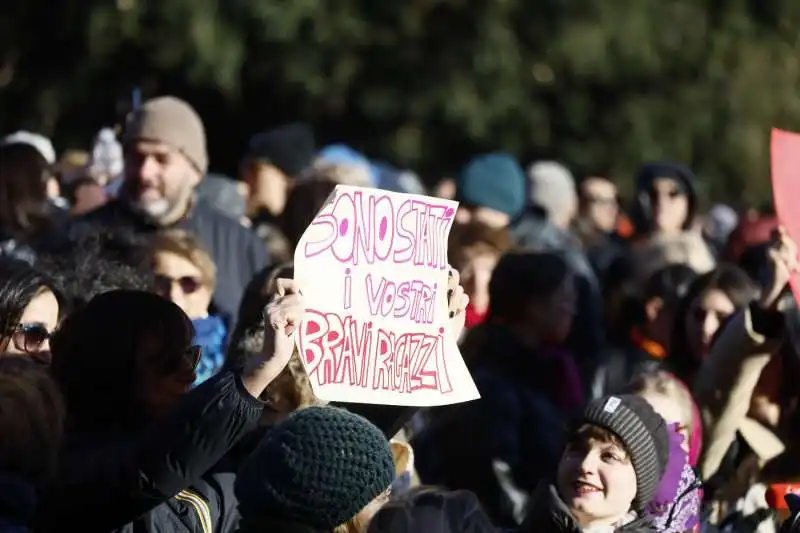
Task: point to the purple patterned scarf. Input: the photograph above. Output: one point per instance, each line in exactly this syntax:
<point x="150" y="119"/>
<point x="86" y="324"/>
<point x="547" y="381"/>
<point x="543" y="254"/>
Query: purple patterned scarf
<point x="675" y="508"/>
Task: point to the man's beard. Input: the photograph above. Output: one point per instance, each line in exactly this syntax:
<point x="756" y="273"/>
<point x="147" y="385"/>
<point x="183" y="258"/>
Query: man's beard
<point x="154" y="209"/>
<point x="163" y="211"/>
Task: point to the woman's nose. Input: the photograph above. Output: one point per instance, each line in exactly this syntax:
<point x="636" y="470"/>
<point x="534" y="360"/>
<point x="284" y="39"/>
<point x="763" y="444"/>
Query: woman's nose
<point x="710" y="326"/>
<point x="588" y="464"/>
<point x="176" y="295"/>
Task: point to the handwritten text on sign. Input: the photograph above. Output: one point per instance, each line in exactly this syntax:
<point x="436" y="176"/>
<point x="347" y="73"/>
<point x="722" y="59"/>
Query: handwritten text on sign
<point x="373" y="269"/>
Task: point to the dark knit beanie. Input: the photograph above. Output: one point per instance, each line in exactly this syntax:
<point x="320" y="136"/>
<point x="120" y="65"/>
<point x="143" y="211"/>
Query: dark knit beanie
<point x="174" y="122"/>
<point x="320" y="467"/>
<point x="495" y="181"/>
<point x="291" y="148"/>
<point x="644" y="434"/>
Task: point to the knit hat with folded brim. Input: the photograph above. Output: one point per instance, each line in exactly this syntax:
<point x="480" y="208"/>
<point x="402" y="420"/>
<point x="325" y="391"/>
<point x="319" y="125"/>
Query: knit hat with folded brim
<point x="644" y="434"/>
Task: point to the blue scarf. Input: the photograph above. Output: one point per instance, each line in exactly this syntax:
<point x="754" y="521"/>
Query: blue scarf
<point x="210" y="333"/>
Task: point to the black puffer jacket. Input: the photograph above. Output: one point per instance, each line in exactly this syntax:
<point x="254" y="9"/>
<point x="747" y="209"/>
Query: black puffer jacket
<point x="171" y="478"/>
<point x="548" y="513"/>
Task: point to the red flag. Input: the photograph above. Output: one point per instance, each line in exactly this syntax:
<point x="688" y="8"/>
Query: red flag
<point x="785" y="156"/>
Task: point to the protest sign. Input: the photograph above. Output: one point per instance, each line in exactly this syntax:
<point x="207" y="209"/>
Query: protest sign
<point x="785" y="163"/>
<point x="373" y="270"/>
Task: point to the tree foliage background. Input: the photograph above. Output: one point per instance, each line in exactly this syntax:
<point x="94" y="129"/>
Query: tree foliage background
<point x="599" y="84"/>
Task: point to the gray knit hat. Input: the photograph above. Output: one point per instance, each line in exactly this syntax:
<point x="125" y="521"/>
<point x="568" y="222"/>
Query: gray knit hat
<point x="172" y="121"/>
<point x="644" y="434"/>
<point x="551" y="187"/>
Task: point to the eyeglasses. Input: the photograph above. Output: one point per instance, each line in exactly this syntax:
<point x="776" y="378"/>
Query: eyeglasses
<point x="29" y="338"/>
<point x="603" y="201"/>
<point x="188" y="284"/>
<point x="671" y="194"/>
<point x="171" y="365"/>
<point x="193" y="354"/>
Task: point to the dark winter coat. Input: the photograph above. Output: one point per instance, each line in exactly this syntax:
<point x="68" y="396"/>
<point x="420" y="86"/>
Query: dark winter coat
<point x="549" y="514"/>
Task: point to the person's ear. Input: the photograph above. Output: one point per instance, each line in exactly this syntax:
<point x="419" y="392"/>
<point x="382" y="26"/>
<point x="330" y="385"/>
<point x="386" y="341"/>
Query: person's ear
<point x="652" y="309"/>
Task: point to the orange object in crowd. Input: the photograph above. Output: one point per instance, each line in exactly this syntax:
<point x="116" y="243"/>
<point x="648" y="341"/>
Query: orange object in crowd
<point x="651" y="347"/>
<point x="776" y="492"/>
<point x="624" y="226"/>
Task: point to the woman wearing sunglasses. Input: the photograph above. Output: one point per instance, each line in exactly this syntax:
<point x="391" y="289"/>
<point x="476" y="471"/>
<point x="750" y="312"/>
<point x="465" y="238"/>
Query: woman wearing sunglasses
<point x="186" y="274"/>
<point x="30" y="309"/>
<point x="143" y="449"/>
<point x="665" y="219"/>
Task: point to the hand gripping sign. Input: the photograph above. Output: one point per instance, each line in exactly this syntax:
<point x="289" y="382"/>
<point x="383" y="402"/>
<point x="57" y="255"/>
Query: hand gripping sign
<point x="373" y="268"/>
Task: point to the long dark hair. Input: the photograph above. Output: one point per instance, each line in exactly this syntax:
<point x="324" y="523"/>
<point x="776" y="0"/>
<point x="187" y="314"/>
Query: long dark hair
<point x="726" y="278"/>
<point x="19" y="284"/>
<point x="96" y="357"/>
<point x="25" y="208"/>
<point x="522" y="277"/>
<point x="32" y="417"/>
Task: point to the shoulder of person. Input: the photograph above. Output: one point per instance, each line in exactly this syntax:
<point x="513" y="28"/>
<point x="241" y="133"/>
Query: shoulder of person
<point x="547" y="513"/>
<point x="113" y="210"/>
<point x="205" y="214"/>
<point x="113" y="213"/>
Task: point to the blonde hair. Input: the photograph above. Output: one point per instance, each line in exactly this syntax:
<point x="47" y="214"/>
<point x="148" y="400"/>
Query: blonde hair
<point x="183" y="245"/>
<point x="665" y="384"/>
<point x="357" y="524"/>
<point x="291" y="390"/>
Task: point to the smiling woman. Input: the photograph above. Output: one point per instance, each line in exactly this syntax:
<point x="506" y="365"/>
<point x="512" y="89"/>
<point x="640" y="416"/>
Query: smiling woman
<point x="608" y="473"/>
<point x="31" y="307"/>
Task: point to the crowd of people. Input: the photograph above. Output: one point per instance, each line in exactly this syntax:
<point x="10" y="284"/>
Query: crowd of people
<point x="635" y="360"/>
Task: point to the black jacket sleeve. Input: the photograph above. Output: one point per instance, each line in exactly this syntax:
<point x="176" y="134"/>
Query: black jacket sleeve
<point x="103" y="487"/>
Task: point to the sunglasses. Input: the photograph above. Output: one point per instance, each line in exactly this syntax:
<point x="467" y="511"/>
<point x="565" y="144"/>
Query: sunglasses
<point x="29" y="338"/>
<point x="188" y="284"/>
<point x="190" y="355"/>
<point x="671" y="194"/>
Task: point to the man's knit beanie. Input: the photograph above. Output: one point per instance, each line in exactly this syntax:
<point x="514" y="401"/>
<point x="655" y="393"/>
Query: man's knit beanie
<point x="551" y="187"/>
<point x="319" y="468"/>
<point x="644" y="434"/>
<point x="291" y="148"/>
<point x="172" y="121"/>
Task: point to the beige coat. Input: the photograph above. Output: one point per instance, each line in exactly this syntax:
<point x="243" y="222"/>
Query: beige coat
<point x="686" y="248"/>
<point x="723" y="391"/>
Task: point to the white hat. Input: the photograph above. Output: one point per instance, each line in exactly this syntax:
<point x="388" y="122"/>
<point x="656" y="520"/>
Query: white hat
<point x="107" y="156"/>
<point x="552" y="186"/>
<point x="42" y="144"/>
